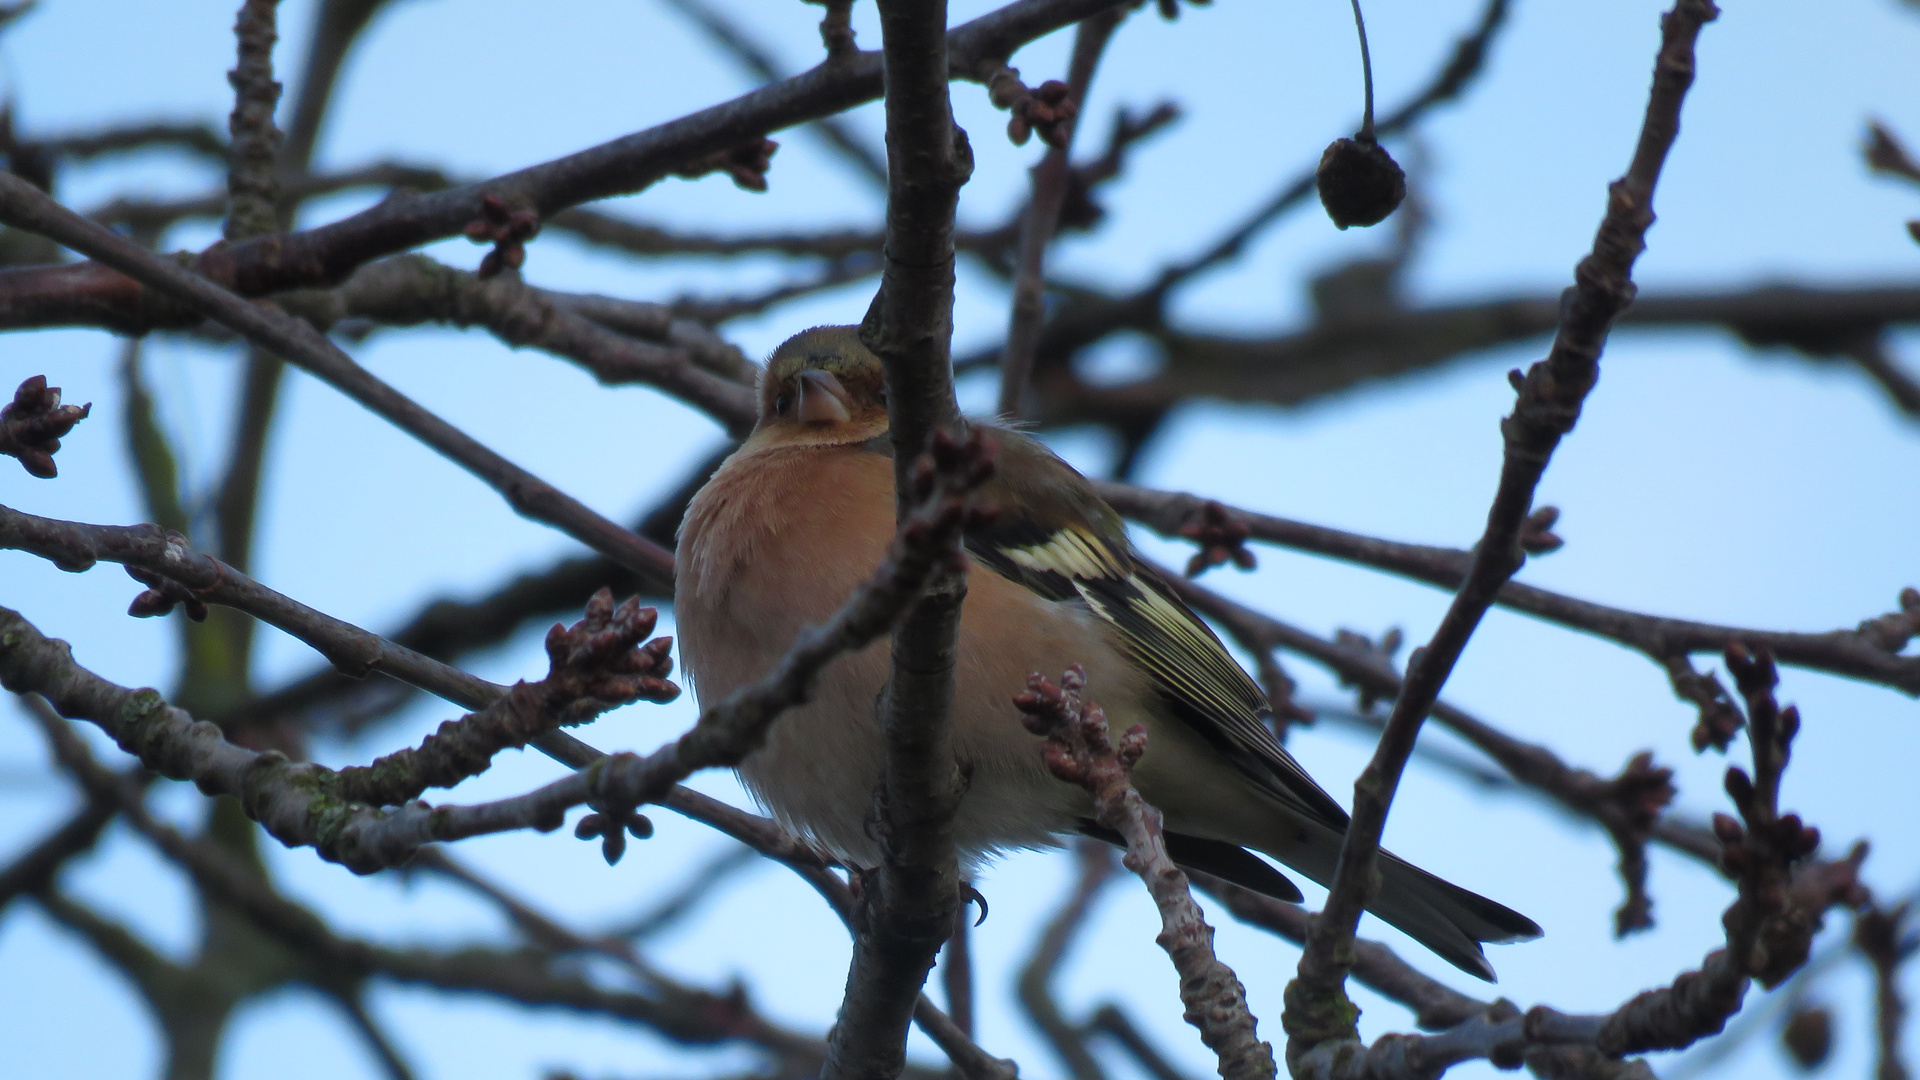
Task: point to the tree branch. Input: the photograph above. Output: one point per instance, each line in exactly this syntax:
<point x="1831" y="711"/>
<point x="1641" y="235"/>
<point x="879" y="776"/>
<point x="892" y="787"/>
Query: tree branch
<point x="629" y="164"/>
<point x="409" y="290"/>
<point x="1042" y="219"/>
<point x="25" y="206"/>
<point x="302" y="804"/>
<point x="1783" y="895"/>
<point x="253" y="148"/>
<point x="910" y="902"/>
<point x="1318" y="1018"/>
<point x="680" y="1013"/>
<point x="1871" y="651"/>
<point x="1079" y="751"/>
<point x="446" y="629"/>
<point x="734" y="39"/>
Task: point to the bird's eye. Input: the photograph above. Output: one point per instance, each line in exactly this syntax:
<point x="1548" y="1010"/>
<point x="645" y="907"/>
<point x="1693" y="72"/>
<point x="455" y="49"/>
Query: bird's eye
<point x="782" y="404"/>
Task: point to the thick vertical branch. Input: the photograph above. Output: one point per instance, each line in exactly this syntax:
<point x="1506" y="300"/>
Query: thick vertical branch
<point x="1050" y="179"/>
<point x="1550" y="395"/>
<point x="911" y="899"/>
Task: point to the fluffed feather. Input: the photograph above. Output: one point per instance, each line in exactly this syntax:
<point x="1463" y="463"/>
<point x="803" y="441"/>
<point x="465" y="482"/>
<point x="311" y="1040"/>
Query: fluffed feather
<point x="796" y="518"/>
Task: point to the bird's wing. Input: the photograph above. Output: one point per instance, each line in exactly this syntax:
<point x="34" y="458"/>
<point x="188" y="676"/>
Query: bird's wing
<point x="1055" y="537"/>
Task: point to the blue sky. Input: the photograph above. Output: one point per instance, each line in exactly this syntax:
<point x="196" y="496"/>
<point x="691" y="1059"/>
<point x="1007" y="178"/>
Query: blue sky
<point x="1704" y="480"/>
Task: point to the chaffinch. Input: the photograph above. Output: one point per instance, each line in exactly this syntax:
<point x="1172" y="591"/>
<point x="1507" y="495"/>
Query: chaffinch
<point x="804" y="510"/>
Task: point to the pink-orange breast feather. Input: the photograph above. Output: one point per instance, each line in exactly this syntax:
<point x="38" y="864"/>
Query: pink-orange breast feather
<point x="775" y="542"/>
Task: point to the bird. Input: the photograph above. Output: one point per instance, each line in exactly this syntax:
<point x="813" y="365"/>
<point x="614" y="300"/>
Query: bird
<point x="804" y="510"/>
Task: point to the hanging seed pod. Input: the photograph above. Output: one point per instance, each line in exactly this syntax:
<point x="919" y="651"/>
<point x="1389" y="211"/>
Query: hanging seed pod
<point x="1359" y="182"/>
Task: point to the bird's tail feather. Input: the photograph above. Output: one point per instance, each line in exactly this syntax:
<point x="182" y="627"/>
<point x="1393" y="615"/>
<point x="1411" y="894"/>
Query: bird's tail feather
<point x="1446" y="918"/>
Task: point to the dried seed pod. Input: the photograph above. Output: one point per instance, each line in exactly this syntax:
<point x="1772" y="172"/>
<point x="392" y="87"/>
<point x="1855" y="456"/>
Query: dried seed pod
<point x="1359" y="182"/>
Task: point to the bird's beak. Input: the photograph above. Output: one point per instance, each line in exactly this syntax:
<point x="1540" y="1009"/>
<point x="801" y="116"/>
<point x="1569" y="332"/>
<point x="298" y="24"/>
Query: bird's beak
<point x="822" y="399"/>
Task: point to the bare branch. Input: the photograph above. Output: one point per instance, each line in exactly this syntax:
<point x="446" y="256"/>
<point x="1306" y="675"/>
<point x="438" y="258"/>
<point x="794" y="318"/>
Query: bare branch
<point x="735" y="40"/>
<point x="34" y="870"/>
<point x="1870" y="651"/>
<point x="253" y="196"/>
<point x="337" y="25"/>
<point x="1319" y="1019"/>
<point x="1042" y="219"/>
<point x="254" y="146"/>
<point x="910" y="901"/>
<point x="1435" y="1005"/>
<point x="328" y="254"/>
<point x="1466" y="61"/>
<point x="1079" y="751"/>
<point x="189" y="135"/>
<point x="163" y="556"/>
<point x="1878" y="934"/>
<point x="24" y="206"/>
<point x="690" y="896"/>
<point x="1783" y="895"/>
<point x="681" y="1013"/>
<point x="302" y="804"/>
<point x="1110" y="1021"/>
<point x="446" y="629"/>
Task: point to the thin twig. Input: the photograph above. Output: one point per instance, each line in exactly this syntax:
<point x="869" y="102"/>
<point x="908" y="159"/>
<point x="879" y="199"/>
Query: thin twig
<point x="1318" y="1018"/>
<point x="409" y="290"/>
<point x="24" y="206"/>
<point x="736" y="41"/>
<point x="253" y="148"/>
<point x="1878" y="934"/>
<point x="682" y="1013"/>
<point x="1871" y="651"/>
<point x="1078" y="750"/>
<point x="329" y="253"/>
<point x="1108" y="1020"/>
<point x="1042" y="219"/>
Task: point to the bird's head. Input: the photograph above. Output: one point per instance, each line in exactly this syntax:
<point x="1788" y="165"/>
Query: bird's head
<point x="822" y="387"/>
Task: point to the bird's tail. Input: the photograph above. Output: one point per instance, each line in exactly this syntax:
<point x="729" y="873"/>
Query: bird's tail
<point x="1446" y="918"/>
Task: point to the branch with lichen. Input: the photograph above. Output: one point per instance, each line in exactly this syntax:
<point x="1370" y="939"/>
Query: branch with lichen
<point x="1078" y="750"/>
<point x="682" y="1013"/>
<point x="302" y="804"/>
<point x="307" y="805"/>
<point x="253" y="148"/>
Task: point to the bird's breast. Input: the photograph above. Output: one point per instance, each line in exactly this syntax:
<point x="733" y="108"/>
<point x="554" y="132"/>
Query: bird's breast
<point x="775" y="543"/>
